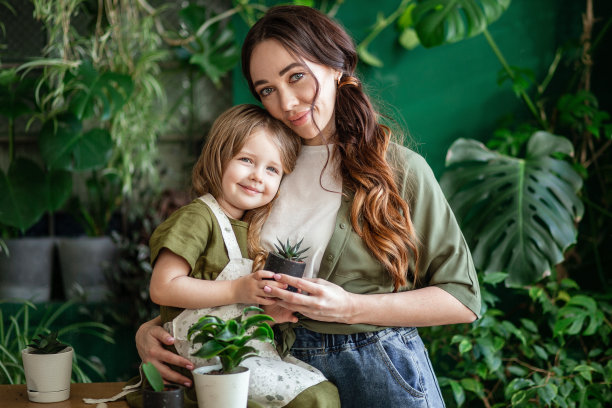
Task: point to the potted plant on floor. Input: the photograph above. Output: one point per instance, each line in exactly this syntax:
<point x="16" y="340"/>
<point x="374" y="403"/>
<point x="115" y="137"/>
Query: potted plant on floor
<point x="47" y="363"/>
<point x="226" y="384"/>
<point x="160" y="395"/>
<point x="288" y="259"/>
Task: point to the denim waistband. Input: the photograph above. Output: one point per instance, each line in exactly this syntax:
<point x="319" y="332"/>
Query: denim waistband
<point x="308" y="339"/>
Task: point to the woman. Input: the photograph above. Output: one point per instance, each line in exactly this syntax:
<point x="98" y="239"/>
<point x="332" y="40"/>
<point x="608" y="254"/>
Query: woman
<point x="386" y="252"/>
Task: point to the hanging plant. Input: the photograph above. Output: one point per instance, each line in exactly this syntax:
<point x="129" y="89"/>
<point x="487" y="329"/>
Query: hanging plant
<point x="519" y="215"/>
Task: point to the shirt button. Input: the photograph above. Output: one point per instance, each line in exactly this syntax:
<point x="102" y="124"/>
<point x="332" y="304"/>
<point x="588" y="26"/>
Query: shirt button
<point x="342" y="225"/>
<point x="330" y="257"/>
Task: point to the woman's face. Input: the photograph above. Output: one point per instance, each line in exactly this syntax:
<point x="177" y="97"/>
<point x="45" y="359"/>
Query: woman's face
<point x="287" y="88"/>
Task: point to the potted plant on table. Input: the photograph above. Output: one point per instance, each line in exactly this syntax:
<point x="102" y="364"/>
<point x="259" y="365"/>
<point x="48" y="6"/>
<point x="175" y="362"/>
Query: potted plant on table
<point x="160" y="395"/>
<point x="226" y="384"/>
<point x="47" y="363"/>
<point x="288" y="259"/>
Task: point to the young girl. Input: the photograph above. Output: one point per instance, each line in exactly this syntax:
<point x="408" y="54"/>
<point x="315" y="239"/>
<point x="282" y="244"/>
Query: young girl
<point x="198" y="252"/>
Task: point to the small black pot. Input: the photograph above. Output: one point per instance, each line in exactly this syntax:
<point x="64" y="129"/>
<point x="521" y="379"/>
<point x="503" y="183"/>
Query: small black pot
<point x="170" y="397"/>
<point x="278" y="264"/>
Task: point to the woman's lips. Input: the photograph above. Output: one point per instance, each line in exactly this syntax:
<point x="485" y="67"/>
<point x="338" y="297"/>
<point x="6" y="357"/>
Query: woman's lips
<point x="300" y="119"/>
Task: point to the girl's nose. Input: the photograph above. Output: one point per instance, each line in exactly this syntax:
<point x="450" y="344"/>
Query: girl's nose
<point x="257" y="173"/>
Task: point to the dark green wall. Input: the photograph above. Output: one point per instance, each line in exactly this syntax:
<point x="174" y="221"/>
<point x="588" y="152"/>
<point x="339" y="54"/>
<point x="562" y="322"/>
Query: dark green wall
<point x="451" y="91"/>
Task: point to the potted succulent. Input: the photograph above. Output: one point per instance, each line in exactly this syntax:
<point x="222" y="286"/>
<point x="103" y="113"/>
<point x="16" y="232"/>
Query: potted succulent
<point x="47" y="363"/>
<point x="226" y="384"/>
<point x="160" y="395"/>
<point x="287" y="260"/>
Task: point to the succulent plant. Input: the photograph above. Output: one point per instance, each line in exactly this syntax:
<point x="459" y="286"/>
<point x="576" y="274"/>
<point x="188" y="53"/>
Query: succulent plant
<point x="47" y="344"/>
<point x="290" y="252"/>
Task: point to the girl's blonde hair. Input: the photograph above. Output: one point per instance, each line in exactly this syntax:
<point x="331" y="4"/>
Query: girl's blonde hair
<point x="226" y="138"/>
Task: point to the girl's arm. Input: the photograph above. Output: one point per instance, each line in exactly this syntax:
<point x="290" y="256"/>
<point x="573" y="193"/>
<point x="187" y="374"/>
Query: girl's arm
<point x="171" y="285"/>
<point x="429" y="306"/>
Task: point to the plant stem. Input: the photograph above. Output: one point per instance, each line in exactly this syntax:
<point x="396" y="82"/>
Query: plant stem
<point x="384" y="23"/>
<point x="530" y="105"/>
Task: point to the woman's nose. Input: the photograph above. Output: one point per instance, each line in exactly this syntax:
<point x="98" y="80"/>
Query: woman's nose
<point x="288" y="100"/>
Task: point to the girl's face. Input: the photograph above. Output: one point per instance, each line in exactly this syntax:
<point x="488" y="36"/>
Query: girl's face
<point x="251" y="178"/>
<point x="287" y="88"/>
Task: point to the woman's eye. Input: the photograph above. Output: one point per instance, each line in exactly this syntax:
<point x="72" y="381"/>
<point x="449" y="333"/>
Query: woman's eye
<point x="296" y="77"/>
<point x="265" y="91"/>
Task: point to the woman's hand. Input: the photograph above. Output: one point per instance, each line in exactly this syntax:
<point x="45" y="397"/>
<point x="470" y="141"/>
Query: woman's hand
<point x="251" y="288"/>
<point x="150" y="339"/>
<point x="325" y="301"/>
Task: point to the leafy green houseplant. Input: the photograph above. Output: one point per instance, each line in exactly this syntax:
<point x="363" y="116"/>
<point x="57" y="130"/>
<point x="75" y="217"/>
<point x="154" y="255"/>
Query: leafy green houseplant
<point x="227" y="340"/>
<point x="288" y="259"/>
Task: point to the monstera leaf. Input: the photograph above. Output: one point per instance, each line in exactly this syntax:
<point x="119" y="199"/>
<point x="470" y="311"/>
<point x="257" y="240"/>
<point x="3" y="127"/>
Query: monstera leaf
<point x="64" y="145"/>
<point x="107" y="91"/>
<point x="446" y="21"/>
<point x="519" y="215"/>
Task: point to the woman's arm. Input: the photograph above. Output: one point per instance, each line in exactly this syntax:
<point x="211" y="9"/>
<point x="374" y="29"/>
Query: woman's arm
<point x="429" y="306"/>
<point x="150" y="339"/>
<point x="171" y="285"/>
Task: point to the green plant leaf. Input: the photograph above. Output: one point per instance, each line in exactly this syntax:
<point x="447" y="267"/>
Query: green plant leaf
<point x="63" y="145"/>
<point x="153" y="376"/>
<point x="439" y="22"/>
<point x="107" y="90"/>
<point x="368" y="57"/>
<point x="23" y="200"/>
<point x="458" y="393"/>
<point x="519" y="215"/>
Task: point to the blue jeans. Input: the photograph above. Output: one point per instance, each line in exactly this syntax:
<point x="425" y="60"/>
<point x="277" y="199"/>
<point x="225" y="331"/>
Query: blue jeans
<point x="389" y="368"/>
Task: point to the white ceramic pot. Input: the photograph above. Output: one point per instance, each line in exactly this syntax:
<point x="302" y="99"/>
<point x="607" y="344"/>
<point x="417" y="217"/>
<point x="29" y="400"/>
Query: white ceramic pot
<point x="221" y="390"/>
<point x="48" y="375"/>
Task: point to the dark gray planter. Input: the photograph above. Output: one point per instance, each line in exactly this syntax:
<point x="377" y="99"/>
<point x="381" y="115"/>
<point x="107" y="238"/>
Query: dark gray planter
<point x="26" y="272"/>
<point x="170" y="397"/>
<point x="278" y="264"/>
<point x="82" y="262"/>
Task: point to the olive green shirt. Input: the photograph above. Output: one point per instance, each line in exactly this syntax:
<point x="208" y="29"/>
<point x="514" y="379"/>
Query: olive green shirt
<point x="444" y="257"/>
<point x="193" y="233"/>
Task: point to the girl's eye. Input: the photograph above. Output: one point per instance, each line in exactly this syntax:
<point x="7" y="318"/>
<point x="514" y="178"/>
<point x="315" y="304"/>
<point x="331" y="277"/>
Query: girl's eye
<point x="265" y="91"/>
<point x="273" y="170"/>
<point x="245" y="159"/>
<point x="296" y="77"/>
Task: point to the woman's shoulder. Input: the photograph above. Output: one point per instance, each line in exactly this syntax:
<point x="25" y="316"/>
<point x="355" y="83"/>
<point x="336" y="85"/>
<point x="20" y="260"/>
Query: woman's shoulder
<point x="408" y="164"/>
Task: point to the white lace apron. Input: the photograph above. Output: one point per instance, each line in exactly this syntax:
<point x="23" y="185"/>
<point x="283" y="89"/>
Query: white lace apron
<point x="274" y="382"/>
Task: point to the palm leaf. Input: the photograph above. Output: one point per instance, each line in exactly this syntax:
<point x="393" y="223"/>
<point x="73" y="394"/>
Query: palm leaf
<point x="519" y="215"/>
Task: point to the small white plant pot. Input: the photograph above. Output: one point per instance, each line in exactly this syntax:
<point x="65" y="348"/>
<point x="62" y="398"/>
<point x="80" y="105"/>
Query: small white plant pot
<point x="48" y="375"/>
<point x="221" y="390"/>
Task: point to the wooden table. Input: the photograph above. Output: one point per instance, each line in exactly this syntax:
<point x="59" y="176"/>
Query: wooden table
<point x="16" y="396"/>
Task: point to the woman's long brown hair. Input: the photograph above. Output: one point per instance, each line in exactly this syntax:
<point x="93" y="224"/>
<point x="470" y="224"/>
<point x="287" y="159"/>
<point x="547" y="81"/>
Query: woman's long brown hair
<point x="379" y="215"/>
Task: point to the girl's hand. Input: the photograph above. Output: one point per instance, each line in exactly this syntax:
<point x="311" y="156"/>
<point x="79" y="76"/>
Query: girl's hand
<point x="251" y="288"/>
<point x="150" y="339"/>
<point x="279" y="314"/>
<point x="325" y="301"/>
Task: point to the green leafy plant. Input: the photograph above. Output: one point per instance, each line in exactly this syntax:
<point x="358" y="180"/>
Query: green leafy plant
<point x="47" y="344"/>
<point x="228" y="339"/>
<point x="153" y="376"/>
<point x="519" y="214"/>
<point x="27" y="322"/>
<point x="551" y="350"/>
<point x="291" y="252"/>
